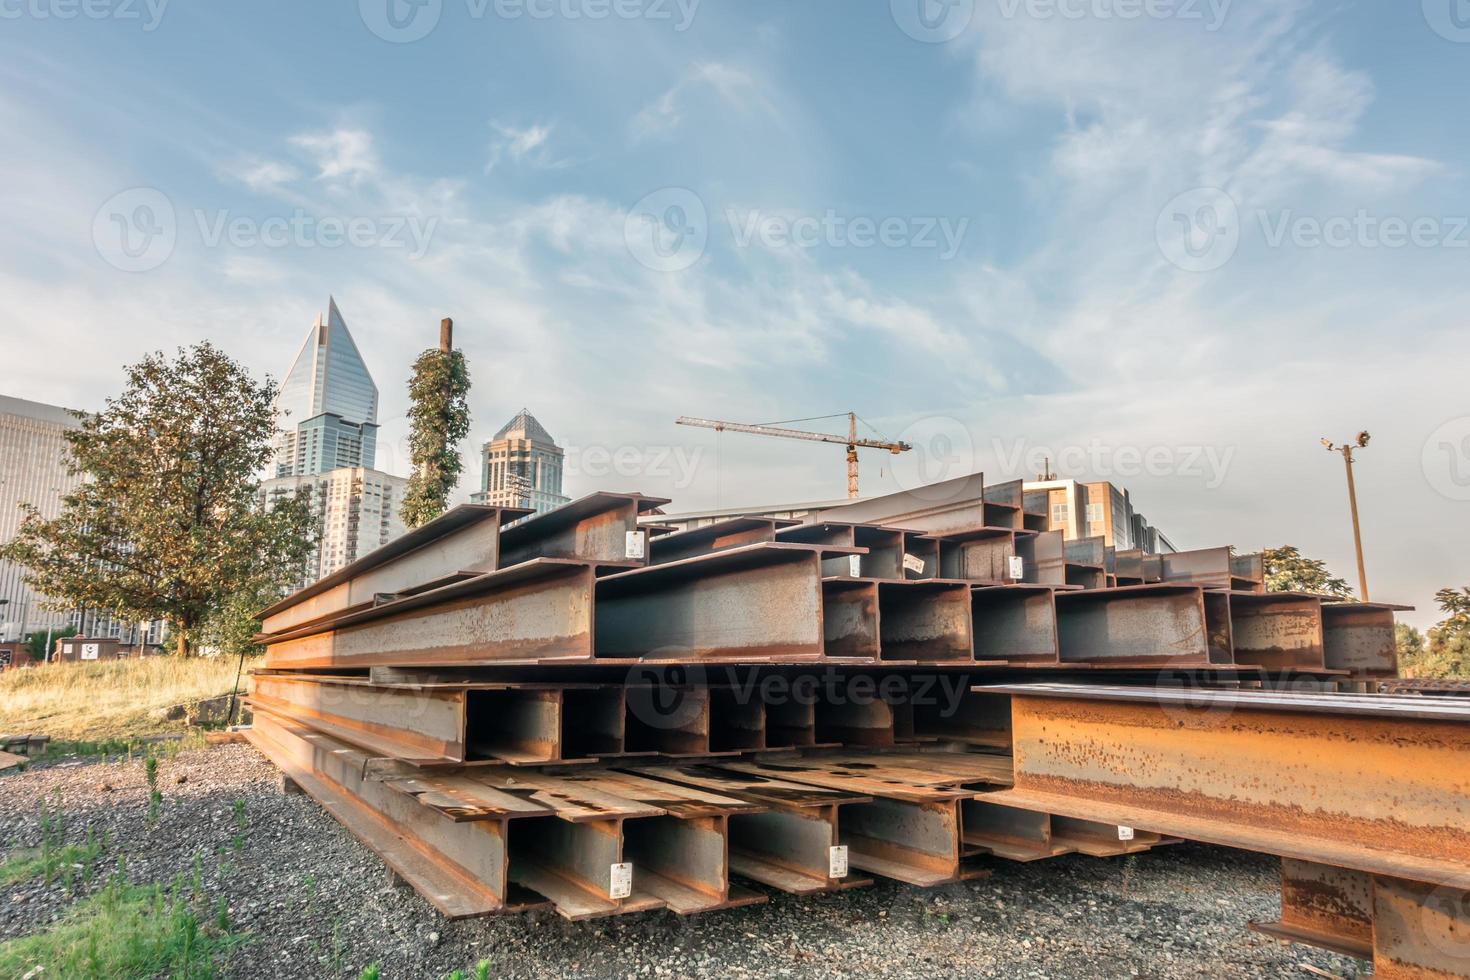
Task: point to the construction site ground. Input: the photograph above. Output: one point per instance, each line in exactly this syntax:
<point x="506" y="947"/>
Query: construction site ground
<point x="308" y="900"/>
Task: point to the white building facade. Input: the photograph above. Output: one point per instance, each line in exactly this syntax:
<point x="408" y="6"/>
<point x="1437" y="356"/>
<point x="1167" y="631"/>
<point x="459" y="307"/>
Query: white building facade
<point x="33" y="470"/>
<point x="357" y="511"/>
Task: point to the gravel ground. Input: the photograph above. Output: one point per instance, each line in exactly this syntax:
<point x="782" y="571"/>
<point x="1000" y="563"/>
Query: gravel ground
<point x="315" y="903"/>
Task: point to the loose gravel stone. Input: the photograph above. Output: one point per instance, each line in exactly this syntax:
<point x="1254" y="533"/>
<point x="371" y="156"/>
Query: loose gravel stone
<point x="315" y="903"/>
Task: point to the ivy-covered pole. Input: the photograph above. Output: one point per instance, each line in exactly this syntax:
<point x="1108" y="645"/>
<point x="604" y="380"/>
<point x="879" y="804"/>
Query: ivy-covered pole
<point x="438" y="417"/>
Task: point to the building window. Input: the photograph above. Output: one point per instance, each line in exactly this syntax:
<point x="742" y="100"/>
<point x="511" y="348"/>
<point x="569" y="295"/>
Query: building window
<point x="1094" y="512"/>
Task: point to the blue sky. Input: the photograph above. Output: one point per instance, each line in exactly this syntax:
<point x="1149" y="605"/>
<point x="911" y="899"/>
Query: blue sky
<point x="1172" y="243"/>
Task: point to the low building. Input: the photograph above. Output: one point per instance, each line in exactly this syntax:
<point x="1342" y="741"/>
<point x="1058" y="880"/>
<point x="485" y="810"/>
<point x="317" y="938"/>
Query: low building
<point x="1098" y="509"/>
<point x="76" y="649"/>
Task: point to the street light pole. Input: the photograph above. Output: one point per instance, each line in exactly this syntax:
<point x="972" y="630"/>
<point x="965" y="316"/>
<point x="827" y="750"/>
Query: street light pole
<point x="1346" y="450"/>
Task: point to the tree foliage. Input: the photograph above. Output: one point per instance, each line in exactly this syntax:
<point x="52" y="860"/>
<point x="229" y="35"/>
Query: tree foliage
<point x="439" y="417"/>
<point x="36" y="642"/>
<point x="1447" y="652"/>
<point x="166" y="524"/>
<point x="1287" y="570"/>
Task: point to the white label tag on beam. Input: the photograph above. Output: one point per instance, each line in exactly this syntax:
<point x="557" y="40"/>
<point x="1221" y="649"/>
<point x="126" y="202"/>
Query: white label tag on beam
<point x="855" y="565"/>
<point x="1125" y="833"/>
<point x="1017" y="567"/>
<point x="621" y="885"/>
<point x="837" y="861"/>
<point x="633" y="545"/>
<point x="913" y="563"/>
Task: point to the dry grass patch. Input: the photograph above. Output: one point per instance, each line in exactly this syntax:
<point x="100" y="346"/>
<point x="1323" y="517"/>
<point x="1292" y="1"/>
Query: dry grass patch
<point x="115" y="699"/>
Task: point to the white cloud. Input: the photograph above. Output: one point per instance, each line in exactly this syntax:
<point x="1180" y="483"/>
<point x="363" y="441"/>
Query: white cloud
<point x="528" y="145"/>
<point x="264" y="175"/>
<point x="340" y="152"/>
<point x="734" y="87"/>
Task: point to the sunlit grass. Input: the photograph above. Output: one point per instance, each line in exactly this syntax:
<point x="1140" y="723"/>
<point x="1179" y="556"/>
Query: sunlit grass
<point x="108" y="700"/>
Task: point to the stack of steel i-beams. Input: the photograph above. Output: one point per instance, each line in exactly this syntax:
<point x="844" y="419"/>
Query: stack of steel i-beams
<point x="586" y="711"/>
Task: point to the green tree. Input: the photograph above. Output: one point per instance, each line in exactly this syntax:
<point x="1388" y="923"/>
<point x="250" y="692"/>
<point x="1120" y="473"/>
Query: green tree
<point x="439" y="417"/>
<point x="1287" y="570"/>
<point x="167" y="524"/>
<point x="1455" y="604"/>
<point x="1447" y="652"/>
<point x="36" y="642"/>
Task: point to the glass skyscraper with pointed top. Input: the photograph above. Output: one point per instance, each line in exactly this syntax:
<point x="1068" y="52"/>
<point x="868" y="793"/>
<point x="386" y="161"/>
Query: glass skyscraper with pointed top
<point x="328" y="404"/>
<point x="326" y="451"/>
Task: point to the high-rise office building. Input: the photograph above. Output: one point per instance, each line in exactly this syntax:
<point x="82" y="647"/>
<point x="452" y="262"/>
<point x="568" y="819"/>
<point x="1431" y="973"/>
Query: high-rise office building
<point x="33" y="470"/>
<point x="329" y="413"/>
<point x="521" y="467"/>
<point x="357" y="511"/>
<point x="328" y="404"/>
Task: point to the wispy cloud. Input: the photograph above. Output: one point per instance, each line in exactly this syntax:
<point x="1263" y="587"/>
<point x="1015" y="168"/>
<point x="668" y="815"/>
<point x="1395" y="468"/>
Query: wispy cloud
<point x="528" y="145"/>
<point x="340" y="153"/>
<point x="734" y="87"/>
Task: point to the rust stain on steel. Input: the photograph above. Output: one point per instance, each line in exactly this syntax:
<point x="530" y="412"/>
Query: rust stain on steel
<point x="1016" y="623"/>
<point x="760" y="603"/>
<point x="548" y="616"/>
<point x="417" y="725"/>
<point x="1420" y="932"/>
<point x="1136" y="625"/>
<point x="1279" y="631"/>
<point x="1324" y="906"/>
<point x="1359" y="637"/>
<point x="1393" y="786"/>
<point x="591" y="528"/>
<point x="465" y="537"/>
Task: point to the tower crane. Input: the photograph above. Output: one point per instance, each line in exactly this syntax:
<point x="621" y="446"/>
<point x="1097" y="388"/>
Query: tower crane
<point x="852" y="442"/>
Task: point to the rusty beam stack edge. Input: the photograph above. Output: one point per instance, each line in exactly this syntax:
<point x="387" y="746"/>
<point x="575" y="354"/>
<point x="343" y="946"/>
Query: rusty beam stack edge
<point x="585" y="711"/>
